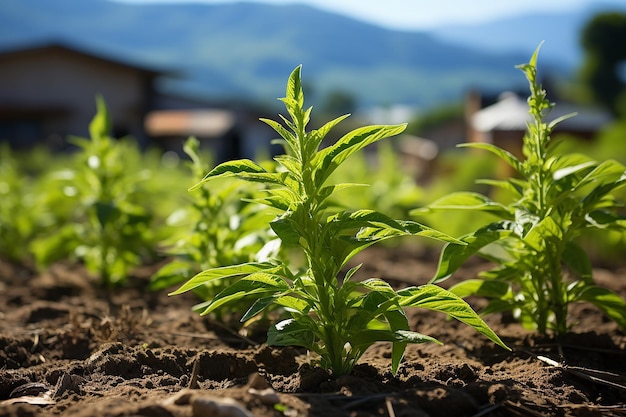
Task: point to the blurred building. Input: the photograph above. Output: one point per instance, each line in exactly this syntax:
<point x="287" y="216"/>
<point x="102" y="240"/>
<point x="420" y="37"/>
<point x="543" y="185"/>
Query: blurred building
<point x="503" y="122"/>
<point x="47" y="93"/>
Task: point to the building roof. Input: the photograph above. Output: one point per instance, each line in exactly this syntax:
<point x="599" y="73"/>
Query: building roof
<point x="511" y="113"/>
<point x="13" y="51"/>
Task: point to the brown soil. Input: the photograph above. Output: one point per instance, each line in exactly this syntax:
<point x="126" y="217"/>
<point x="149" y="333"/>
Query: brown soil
<point x="84" y="351"/>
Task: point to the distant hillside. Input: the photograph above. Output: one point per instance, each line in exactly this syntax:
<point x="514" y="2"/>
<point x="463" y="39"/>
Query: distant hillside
<point x="560" y="31"/>
<point x="246" y="50"/>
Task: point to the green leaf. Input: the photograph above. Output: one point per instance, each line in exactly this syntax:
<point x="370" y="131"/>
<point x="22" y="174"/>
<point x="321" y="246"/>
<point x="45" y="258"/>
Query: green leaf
<point x="603" y="219"/>
<point x="465" y="201"/>
<point x="367" y="337"/>
<point x="280" y="199"/>
<point x="350" y="233"/>
<point x="480" y="287"/>
<point x="253" y="284"/>
<point x="571" y="170"/>
<point x="379" y="286"/>
<point x="291" y="333"/>
<point x="230" y="169"/>
<point x="317" y="136"/>
<point x="170" y="274"/>
<point x="101" y="125"/>
<point x="542" y="233"/>
<point x="329" y="190"/>
<point x="505" y="155"/>
<point x="414" y="337"/>
<point x="289" y="139"/>
<point x="294" y="304"/>
<point x="286" y="229"/>
<point x="606" y="172"/>
<point x="258" y="306"/>
<point x="328" y="159"/>
<point x="294" y="87"/>
<point x="453" y="256"/>
<point x="612" y="304"/>
<point x="291" y="164"/>
<point x="375" y="226"/>
<point x="434" y="298"/>
<point x="577" y="260"/>
<point x="511" y="184"/>
<point x="226" y="272"/>
<point x="399" y="323"/>
<point x="106" y="211"/>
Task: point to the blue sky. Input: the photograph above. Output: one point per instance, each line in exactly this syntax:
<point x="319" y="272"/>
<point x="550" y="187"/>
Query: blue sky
<point x="423" y="14"/>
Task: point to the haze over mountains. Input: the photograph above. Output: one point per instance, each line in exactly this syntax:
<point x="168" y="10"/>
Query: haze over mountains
<point x="247" y="50"/>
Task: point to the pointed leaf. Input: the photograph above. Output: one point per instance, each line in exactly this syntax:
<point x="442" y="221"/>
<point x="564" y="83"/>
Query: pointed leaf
<point x="231" y="168"/>
<point x="578" y="261"/>
<point x="542" y="233"/>
<point x="466" y="201"/>
<point x="435" y="298"/>
<point x="377" y="226"/>
<point x="294" y="87"/>
<point x="571" y="170"/>
<point x="328" y="159"/>
<point x="101" y="125"/>
<point x="398" y="323"/>
<point x="414" y="337"/>
<point x="611" y="303"/>
<point x="289" y="139"/>
<point x="225" y="272"/>
<point x="258" y="306"/>
<point x="290" y="333"/>
<point x="479" y="287"/>
<point x="317" y="136"/>
<point x="170" y="274"/>
<point x="294" y="304"/>
<point x="286" y="229"/>
<point x="453" y="256"/>
<point x="253" y="284"/>
<point x="505" y="155"/>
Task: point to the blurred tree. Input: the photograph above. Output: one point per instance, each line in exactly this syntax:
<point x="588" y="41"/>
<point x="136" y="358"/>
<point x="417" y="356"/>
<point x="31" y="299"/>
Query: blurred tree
<point x="602" y="72"/>
<point x="339" y="102"/>
<point x="435" y="117"/>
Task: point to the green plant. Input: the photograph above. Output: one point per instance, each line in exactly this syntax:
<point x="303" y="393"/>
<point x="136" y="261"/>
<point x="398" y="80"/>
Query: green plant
<point x="106" y="225"/>
<point x="334" y="316"/>
<point x="540" y="268"/>
<point x="18" y="221"/>
<point x="217" y="228"/>
<point x="390" y="189"/>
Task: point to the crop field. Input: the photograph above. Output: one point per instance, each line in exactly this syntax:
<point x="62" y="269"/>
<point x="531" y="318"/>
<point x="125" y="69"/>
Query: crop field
<point x="324" y="281"/>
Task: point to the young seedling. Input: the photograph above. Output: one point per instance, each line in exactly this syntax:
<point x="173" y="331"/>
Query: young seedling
<point x="540" y="268"/>
<point x="332" y="314"/>
<point x="107" y="227"/>
<point x="217" y="228"/>
<point x="18" y="212"/>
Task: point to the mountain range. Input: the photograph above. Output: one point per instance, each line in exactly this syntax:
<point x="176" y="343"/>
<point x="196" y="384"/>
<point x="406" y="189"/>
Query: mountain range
<point x="247" y="50"/>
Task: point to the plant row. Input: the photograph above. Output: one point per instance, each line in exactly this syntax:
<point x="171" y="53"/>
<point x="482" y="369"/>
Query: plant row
<point x="274" y="238"/>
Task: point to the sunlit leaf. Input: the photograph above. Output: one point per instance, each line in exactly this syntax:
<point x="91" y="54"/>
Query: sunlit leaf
<point x="434" y="298"/>
<point x="453" y="256"/>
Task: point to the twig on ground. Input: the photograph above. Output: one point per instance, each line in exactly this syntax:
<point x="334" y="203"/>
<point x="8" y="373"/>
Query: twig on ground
<point x="193" y="380"/>
<point x="487" y="410"/>
<point x="595" y="407"/>
<point x="599" y="377"/>
<point x="389" y="407"/>
<point x="519" y="409"/>
<point x="587" y="348"/>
